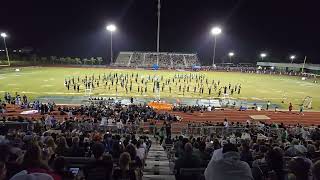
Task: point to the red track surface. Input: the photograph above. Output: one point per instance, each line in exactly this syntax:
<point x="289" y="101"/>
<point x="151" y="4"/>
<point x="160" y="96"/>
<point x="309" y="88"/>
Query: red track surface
<point x="286" y="117"/>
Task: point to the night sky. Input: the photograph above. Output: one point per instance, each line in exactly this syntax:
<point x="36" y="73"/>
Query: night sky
<point x="77" y="28"/>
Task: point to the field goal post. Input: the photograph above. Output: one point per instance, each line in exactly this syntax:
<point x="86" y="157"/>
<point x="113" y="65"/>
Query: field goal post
<point x="225" y="99"/>
<point x="307" y="102"/>
<point x="88" y="92"/>
<point x="157" y="89"/>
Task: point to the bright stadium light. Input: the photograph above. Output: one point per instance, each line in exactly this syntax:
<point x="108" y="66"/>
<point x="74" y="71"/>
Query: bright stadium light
<point x="230" y="54"/>
<point x="215" y="31"/>
<point x="263" y="55"/>
<point x="111" y="28"/>
<point x="292" y="57"/>
<point x="4" y="35"/>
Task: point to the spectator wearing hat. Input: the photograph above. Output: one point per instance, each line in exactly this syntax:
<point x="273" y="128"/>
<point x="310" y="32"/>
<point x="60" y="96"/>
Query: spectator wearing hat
<point x="229" y="167"/>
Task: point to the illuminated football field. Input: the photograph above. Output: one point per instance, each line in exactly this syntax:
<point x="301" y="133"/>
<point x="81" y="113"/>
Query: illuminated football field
<point x="49" y="81"/>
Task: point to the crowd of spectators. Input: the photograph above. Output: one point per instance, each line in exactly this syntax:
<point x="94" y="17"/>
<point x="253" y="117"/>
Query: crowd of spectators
<point x="292" y="154"/>
<point x="23" y="103"/>
<point x="44" y="154"/>
<point x="251" y="151"/>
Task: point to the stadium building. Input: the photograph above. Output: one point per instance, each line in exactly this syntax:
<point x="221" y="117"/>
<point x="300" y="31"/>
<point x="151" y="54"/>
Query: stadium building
<point x="291" y="67"/>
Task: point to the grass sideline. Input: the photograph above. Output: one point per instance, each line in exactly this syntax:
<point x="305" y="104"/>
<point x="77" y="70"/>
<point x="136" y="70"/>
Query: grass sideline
<point x="46" y="81"/>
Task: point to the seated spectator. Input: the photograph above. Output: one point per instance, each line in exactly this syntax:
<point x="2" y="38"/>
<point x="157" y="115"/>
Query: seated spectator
<point x="275" y="164"/>
<point x="187" y="160"/>
<point x="124" y="172"/>
<point x="50" y="144"/>
<point x="32" y="163"/>
<point x="32" y="176"/>
<point x="311" y="151"/>
<point x="102" y="167"/>
<point x="108" y="142"/>
<point x="299" y="169"/>
<point x="316" y="170"/>
<point x="296" y="149"/>
<point x="117" y="149"/>
<point x="3" y="170"/>
<point x="204" y="156"/>
<point x="60" y="167"/>
<point x="217" y="154"/>
<point x="229" y="167"/>
<point x="246" y="154"/>
<point x="178" y="146"/>
<point x="76" y="150"/>
<point x="62" y="147"/>
<point x="9" y="160"/>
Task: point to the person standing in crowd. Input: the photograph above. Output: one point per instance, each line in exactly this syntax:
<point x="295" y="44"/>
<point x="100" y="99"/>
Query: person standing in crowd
<point x="301" y="109"/>
<point x="268" y="105"/>
<point x="120" y="126"/>
<point x="161" y="134"/>
<point x="290" y="107"/>
<point x="168" y="129"/>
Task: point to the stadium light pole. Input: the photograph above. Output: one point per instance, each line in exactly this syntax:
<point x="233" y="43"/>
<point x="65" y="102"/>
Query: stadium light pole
<point x="215" y="31"/>
<point x="231" y="54"/>
<point x="158" y="32"/>
<point x="292" y="57"/>
<point x="263" y="55"/>
<point x="111" y="28"/>
<point x="4" y="35"/>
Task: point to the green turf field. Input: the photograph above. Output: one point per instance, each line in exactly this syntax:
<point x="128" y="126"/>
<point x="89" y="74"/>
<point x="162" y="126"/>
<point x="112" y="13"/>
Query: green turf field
<point x="49" y="81"/>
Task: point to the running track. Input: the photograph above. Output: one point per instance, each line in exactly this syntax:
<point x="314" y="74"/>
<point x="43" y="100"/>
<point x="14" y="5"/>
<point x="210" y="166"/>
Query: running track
<point x="288" y="118"/>
<point x="285" y="117"/>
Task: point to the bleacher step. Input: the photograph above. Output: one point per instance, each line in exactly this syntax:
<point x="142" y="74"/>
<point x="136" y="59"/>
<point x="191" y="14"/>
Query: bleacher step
<point x="158" y="177"/>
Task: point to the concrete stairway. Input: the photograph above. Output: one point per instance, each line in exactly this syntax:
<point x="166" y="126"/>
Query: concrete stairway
<point x="157" y="164"/>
